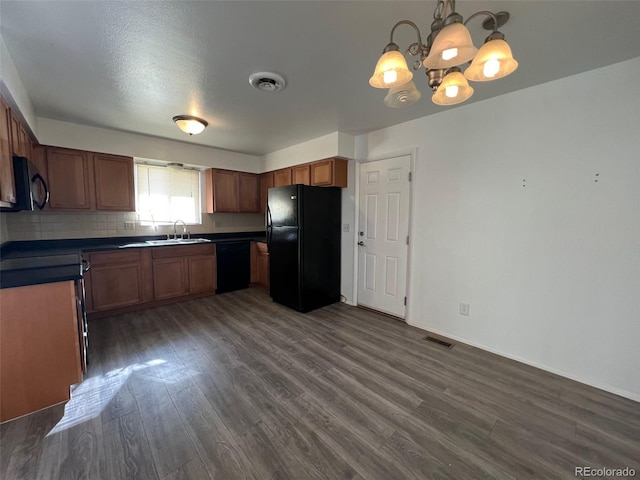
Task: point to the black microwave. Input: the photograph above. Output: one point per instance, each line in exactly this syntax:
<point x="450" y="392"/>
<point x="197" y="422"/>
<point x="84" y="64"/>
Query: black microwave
<point x="31" y="190"/>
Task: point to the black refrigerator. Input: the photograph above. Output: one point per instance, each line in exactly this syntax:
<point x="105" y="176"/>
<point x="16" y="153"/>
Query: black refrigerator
<point x="303" y="237"/>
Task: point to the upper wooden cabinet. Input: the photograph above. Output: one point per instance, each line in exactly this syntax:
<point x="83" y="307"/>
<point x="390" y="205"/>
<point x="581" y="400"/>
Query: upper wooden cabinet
<point x="329" y="172"/>
<point x="114" y="183"/>
<point x="248" y="193"/>
<point x="71" y="181"/>
<point x="282" y="177"/>
<point x="266" y="182"/>
<point x="7" y="180"/>
<point x="16" y="144"/>
<point x="301" y="174"/>
<point x="230" y="191"/>
<point x="81" y="180"/>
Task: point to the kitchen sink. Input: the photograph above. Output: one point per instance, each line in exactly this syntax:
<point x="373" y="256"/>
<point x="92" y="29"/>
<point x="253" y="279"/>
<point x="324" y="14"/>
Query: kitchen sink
<point x="173" y="241"/>
<point x="178" y="241"/>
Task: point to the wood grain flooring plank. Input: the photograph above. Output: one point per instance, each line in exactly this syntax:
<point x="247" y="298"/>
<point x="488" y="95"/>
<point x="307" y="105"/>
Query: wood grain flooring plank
<point x="192" y="470"/>
<point x="127" y="449"/>
<point x="363" y="456"/>
<point x="82" y="452"/>
<point x="169" y="443"/>
<point x="215" y="444"/>
<point x="287" y="430"/>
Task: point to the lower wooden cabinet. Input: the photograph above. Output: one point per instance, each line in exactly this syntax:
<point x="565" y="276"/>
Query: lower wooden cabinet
<point x="259" y="264"/>
<point x="115" y="279"/>
<point x="169" y="278"/>
<point x="124" y="280"/>
<point x="39" y="347"/>
<point x="202" y="273"/>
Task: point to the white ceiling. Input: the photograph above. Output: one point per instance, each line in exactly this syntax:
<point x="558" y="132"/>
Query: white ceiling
<point x="132" y="66"/>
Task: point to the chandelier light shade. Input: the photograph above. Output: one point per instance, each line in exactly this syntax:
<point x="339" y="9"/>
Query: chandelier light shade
<point x="494" y="60"/>
<point x="452" y="46"/>
<point x="453" y="89"/>
<point x="391" y="69"/>
<point x="190" y="124"/>
<point x="402" y="95"/>
<point x="449" y="46"/>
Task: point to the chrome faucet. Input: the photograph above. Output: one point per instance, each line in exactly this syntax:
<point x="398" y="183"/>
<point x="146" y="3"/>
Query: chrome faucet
<point x="184" y="229"/>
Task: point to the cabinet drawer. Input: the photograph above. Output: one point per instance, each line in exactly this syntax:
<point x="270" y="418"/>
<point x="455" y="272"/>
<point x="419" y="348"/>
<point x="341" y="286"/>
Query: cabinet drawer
<point x="107" y="258"/>
<point x="182" y="251"/>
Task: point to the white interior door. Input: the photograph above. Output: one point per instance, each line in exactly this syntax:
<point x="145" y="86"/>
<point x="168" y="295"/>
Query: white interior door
<point x="383" y="234"/>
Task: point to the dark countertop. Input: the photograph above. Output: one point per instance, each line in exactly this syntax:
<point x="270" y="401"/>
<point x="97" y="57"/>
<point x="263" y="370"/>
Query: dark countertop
<point x="46" y="261"/>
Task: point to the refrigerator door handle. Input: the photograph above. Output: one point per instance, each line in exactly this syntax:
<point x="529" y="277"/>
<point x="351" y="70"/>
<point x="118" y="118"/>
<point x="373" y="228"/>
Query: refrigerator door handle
<point x="269" y="228"/>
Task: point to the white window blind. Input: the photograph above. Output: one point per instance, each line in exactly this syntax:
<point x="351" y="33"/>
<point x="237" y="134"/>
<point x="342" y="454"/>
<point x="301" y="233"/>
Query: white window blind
<point x="166" y="194"/>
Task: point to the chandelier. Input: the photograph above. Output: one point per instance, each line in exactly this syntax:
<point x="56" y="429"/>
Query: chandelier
<point x="448" y="47"/>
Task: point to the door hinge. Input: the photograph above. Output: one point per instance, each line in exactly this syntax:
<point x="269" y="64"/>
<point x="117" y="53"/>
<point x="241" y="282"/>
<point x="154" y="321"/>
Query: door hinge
<point x="407" y="239"/>
<point x="405" y="301"/>
<point x="409" y="176"/>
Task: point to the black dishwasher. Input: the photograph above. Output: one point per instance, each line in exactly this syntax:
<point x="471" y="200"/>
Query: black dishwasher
<point x="234" y="266"/>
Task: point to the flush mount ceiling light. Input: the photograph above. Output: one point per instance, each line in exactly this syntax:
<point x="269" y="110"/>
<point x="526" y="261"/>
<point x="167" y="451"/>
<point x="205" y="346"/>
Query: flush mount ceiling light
<point x="267" y="81"/>
<point x="190" y="124"/>
<point x="449" y="45"/>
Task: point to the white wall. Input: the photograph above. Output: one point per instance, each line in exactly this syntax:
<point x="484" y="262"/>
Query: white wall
<point x="71" y="135"/>
<point x="336" y="144"/>
<point x="551" y="270"/>
<point x="13" y="89"/>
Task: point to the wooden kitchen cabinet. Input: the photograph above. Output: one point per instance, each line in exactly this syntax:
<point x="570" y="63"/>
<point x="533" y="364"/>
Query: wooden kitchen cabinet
<point x="170" y="278"/>
<point x="183" y="270"/>
<point x="116" y="279"/>
<point x="71" y="182"/>
<point x="114" y="187"/>
<point x="80" y="180"/>
<point x="7" y="180"/>
<point x="39" y="347"/>
<point x="231" y="191"/>
<point x="282" y="177"/>
<point x="330" y="172"/>
<point x="202" y="273"/>
<point x="248" y="193"/>
<point x="266" y="182"/>
<point x="301" y="174"/>
<point x="14" y="128"/>
<point x="259" y="264"/>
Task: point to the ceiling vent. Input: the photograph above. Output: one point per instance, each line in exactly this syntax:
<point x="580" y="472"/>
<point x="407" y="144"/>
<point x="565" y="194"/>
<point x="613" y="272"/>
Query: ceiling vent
<point x="267" y="81"/>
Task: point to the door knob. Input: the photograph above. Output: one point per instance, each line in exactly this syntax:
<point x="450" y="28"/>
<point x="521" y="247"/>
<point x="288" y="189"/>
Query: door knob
<point x="361" y="243"/>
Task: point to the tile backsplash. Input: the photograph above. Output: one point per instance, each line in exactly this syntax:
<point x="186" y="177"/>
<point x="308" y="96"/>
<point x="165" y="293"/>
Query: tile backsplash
<point x="49" y="225"/>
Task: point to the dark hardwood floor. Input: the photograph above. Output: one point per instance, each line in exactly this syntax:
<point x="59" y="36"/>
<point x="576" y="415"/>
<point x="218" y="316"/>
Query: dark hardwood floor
<point x="237" y="387"/>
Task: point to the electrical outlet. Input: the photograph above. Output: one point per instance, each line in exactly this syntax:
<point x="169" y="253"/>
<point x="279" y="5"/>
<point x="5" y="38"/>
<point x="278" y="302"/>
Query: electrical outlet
<point x="346" y="227"/>
<point x="464" y="309"/>
<point x="129" y="225"/>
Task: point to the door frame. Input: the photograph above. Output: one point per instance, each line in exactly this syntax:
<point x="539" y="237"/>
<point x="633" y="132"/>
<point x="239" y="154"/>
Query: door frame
<point x="413" y="154"/>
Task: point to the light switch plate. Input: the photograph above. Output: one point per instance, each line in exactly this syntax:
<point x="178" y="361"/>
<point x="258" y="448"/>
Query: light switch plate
<point x="346" y="227"/>
<point x="129" y="225"/>
<point x="464" y="309"/>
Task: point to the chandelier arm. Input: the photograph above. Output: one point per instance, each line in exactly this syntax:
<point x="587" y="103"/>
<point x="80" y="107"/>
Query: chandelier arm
<point x="452" y="7"/>
<point x="406" y="22"/>
<point x="439" y="10"/>
<point x="487" y="14"/>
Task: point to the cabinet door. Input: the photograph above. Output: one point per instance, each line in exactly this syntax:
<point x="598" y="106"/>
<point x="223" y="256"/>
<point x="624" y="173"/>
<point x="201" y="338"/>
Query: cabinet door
<point x="221" y="190"/>
<point x="116" y="285"/>
<point x="7" y="181"/>
<point x="70" y="179"/>
<point x="301" y="174"/>
<point x="266" y="182"/>
<point x="25" y="142"/>
<point x="263" y="264"/>
<point x="202" y="273"/>
<point x="322" y="173"/>
<point x="282" y="177"/>
<point x="14" y="125"/>
<point x="248" y="193"/>
<point x="114" y="183"/>
<point x="169" y="278"/>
